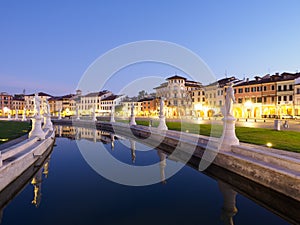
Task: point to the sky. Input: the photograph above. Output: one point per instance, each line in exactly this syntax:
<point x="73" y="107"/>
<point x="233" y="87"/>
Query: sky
<point x="49" y="45"/>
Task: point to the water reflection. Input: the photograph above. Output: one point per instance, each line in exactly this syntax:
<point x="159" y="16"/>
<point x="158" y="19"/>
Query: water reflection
<point x="34" y="175"/>
<point x="229" y="203"/>
<point x="229" y="185"/>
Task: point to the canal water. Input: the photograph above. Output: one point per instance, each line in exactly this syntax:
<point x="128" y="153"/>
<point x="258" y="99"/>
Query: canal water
<point x="67" y="190"/>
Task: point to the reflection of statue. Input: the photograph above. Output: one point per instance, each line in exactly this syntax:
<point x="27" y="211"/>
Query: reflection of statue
<point x="37" y="104"/>
<point x="132" y="147"/>
<point x="162" y="165"/>
<point x="46" y="168"/>
<point x="229" y="209"/>
<point x="37" y="184"/>
<point x="229" y="100"/>
<point x="112" y="137"/>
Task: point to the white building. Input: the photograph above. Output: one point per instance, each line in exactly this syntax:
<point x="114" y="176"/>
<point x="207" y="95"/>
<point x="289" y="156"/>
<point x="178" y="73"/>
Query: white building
<point x="177" y="92"/>
<point x="86" y="103"/>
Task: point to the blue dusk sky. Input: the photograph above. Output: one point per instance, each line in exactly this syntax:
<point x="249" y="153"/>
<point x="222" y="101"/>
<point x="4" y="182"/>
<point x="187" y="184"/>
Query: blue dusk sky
<point x="48" y="45"/>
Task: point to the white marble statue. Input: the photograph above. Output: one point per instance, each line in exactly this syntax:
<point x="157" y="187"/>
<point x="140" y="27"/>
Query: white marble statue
<point x="161" y="106"/>
<point x="229" y="100"/>
<point x="37" y="104"/>
<point x="46" y="108"/>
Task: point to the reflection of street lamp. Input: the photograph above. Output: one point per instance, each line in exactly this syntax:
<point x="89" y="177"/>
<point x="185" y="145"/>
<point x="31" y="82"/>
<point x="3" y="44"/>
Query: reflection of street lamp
<point x="248" y="105"/>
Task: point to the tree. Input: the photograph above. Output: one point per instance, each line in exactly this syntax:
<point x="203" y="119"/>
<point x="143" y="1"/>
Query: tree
<point x="142" y="94"/>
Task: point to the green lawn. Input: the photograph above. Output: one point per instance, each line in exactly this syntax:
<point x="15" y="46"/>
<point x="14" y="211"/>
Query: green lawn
<point x="12" y="129"/>
<point x="285" y="140"/>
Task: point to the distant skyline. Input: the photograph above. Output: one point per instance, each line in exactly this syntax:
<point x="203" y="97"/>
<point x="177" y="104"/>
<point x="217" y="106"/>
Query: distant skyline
<point x="47" y="46"/>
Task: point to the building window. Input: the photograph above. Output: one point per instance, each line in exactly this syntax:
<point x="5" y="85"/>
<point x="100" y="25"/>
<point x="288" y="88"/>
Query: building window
<point x="284" y="87"/>
<point x="291" y="87"/>
<point x="253" y="100"/>
<point x="220" y="103"/>
<point x="273" y="98"/>
<point x="247" y="90"/>
<point x="291" y="98"/>
<point x="298" y="90"/>
<point x="203" y="99"/>
<point x="198" y="99"/>
<point x="273" y="87"/>
<point x="240" y="100"/>
<point x="284" y="98"/>
<point x="259" y="99"/>
<point x="240" y="90"/>
<point x="279" y="98"/>
<point x="253" y="89"/>
<point x="265" y="99"/>
<point x="265" y="88"/>
<point x="279" y="88"/>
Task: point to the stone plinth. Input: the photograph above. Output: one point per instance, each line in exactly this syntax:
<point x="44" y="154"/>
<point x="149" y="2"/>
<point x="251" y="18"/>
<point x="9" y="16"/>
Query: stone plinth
<point x="132" y="120"/>
<point x="228" y="137"/>
<point x="24" y="117"/>
<point x="36" y="130"/>
<point x="162" y="123"/>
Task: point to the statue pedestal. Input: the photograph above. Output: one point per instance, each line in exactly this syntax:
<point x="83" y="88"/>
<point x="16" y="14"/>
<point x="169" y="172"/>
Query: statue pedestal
<point x="112" y="118"/>
<point x="36" y="130"/>
<point x="228" y="137"/>
<point x="132" y="120"/>
<point x="24" y="117"/>
<point x="59" y="116"/>
<point x="47" y="123"/>
<point x="162" y="123"/>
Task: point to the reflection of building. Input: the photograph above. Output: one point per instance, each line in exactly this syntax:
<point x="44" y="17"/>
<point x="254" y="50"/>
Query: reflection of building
<point x="83" y="133"/>
<point x="177" y="92"/>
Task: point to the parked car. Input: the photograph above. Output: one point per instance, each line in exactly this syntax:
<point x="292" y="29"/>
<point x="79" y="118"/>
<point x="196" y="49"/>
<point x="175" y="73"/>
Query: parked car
<point x="287" y="117"/>
<point x="297" y="117"/>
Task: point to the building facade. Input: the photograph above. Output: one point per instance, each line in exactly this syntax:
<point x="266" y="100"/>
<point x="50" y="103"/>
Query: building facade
<point x="5" y="103"/>
<point x="177" y="93"/>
